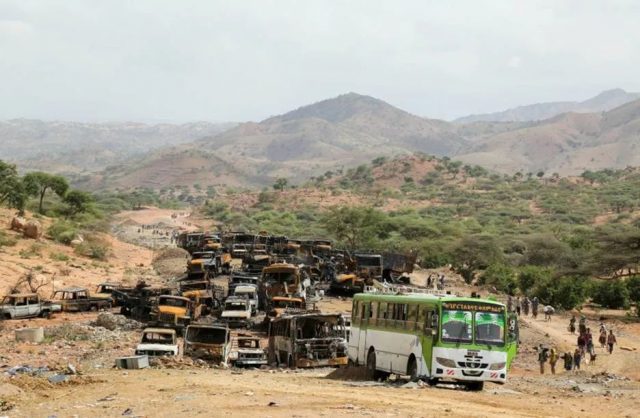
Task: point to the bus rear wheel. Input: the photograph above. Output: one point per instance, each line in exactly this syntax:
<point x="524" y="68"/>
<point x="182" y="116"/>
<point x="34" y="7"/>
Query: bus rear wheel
<point x="412" y="369"/>
<point x="372" y="373"/>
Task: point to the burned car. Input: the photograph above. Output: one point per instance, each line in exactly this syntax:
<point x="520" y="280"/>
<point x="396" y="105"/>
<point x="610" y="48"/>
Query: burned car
<point x="308" y="340"/>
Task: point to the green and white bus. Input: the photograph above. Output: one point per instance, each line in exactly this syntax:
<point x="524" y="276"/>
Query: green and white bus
<point x="433" y="337"/>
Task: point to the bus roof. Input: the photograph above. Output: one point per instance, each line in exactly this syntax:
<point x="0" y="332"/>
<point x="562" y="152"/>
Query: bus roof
<point x="421" y="297"/>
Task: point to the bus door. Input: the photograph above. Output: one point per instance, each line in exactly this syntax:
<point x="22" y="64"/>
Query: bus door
<point x="513" y="335"/>
<point x="428" y="327"/>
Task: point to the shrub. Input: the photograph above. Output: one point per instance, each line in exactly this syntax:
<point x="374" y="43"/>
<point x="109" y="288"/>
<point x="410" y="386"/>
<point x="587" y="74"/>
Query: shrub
<point x="7" y="241"/>
<point x="94" y="248"/>
<point x="612" y="294"/>
<point x="59" y="256"/>
<point x="564" y="292"/>
<point x="63" y="232"/>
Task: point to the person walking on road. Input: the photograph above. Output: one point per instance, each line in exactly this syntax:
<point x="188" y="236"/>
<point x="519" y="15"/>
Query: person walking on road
<point x="525" y="306"/>
<point x="611" y="340"/>
<point x="582" y="325"/>
<point x="534" y="307"/>
<point x="518" y="306"/>
<point x="568" y="361"/>
<point x="543" y="356"/>
<point x="577" y="356"/>
<point x="603" y="338"/>
<point x="572" y="324"/>
<point x="553" y="359"/>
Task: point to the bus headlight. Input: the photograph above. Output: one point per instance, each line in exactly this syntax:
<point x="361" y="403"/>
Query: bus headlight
<point x="446" y="362"/>
<point x="497" y="366"/>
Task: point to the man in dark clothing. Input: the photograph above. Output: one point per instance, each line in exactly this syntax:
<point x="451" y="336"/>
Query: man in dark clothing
<point x="611" y="340"/>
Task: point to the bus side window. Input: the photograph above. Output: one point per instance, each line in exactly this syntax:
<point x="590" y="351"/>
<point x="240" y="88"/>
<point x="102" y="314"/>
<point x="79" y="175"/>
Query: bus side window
<point x="373" y="313"/>
<point x="382" y="315"/>
<point x="412" y="316"/>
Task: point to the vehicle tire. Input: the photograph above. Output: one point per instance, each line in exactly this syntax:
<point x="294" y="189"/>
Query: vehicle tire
<point x="372" y="373"/>
<point x="433" y="381"/>
<point x="93" y="308"/>
<point x="412" y="369"/>
<point x="291" y="362"/>
<point x="475" y="386"/>
<point x="45" y="314"/>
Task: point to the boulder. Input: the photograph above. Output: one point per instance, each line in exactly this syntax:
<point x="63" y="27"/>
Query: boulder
<point x="112" y="322"/>
<point x="32" y="229"/>
<point x="18" y="223"/>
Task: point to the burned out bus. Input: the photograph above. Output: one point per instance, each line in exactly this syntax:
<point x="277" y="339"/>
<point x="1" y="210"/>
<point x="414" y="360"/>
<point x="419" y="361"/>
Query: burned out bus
<point x="433" y="337"/>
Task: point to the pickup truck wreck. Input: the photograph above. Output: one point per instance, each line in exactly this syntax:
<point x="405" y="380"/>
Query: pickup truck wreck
<point x="78" y="299"/>
<point x="26" y="305"/>
<point x="308" y="340"/>
<point x="158" y="342"/>
<point x="250" y="353"/>
<point x="208" y="342"/>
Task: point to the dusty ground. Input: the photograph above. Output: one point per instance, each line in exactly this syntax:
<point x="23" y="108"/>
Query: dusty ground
<point x="608" y="387"/>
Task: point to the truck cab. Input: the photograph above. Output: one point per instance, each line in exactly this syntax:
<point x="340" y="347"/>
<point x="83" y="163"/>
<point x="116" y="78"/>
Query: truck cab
<point x="158" y="342"/>
<point x="173" y="312"/>
<point x="237" y="312"/>
<point x="250" y="352"/>
<point x="249" y="292"/>
<point x="208" y="342"/>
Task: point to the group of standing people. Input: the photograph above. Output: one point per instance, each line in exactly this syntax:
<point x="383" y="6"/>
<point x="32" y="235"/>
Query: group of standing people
<point x="524" y="306"/>
<point x="435" y="282"/>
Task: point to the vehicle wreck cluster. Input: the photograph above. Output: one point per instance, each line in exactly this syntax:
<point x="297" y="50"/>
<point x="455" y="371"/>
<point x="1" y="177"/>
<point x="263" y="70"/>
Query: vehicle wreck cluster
<point x="244" y="300"/>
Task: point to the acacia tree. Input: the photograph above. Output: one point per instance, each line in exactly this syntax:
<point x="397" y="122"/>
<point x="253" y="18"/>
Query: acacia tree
<point x="475" y="252"/>
<point x="78" y="201"/>
<point x="356" y="226"/>
<point x="12" y="188"/>
<point x="38" y="183"/>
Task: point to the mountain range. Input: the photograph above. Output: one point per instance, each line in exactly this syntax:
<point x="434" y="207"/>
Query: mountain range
<point x="71" y="147"/>
<point x="604" y="101"/>
<point x="340" y="132"/>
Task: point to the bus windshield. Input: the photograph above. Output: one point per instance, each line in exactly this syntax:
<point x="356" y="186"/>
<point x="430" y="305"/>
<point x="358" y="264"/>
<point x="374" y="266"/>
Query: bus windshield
<point x="489" y="328"/>
<point x="457" y="326"/>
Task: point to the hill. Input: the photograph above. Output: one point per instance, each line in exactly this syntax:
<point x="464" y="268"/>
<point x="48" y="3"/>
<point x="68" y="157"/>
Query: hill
<point x="604" y="101"/>
<point x="72" y="147"/>
<point x="343" y="131"/>
<point x="567" y="144"/>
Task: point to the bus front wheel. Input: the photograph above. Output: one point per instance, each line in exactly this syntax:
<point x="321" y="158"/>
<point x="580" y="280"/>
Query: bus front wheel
<point x="475" y="386"/>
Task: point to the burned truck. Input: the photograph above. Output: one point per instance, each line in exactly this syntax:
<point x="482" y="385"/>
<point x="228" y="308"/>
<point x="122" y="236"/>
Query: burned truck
<point x="308" y="340"/>
<point x="281" y="279"/>
<point x="208" y="342"/>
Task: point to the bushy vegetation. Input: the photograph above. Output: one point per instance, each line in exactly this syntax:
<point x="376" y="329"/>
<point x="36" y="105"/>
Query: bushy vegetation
<point x="532" y="233"/>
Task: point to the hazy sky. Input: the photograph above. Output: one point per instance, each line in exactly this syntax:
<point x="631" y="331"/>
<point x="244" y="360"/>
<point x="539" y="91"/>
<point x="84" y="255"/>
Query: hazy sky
<point x="246" y="60"/>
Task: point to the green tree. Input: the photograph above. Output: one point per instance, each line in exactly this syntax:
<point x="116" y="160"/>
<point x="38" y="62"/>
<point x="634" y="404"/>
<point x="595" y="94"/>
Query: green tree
<point x="12" y="187"/>
<point x="529" y="276"/>
<point x="475" y="252"/>
<point x="502" y="276"/>
<point x="78" y="201"/>
<point x="38" y="182"/>
<point x="356" y="226"/>
<point x="280" y="184"/>
<point x="564" y="292"/>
